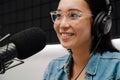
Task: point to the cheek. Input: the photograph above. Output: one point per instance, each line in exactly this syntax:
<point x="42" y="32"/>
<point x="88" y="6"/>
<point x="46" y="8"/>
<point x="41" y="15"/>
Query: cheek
<point x="84" y="28"/>
<point x="55" y="27"/>
<point x="87" y="25"/>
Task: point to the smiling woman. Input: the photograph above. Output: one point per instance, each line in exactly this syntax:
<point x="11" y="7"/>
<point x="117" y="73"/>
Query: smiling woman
<point x="83" y="28"/>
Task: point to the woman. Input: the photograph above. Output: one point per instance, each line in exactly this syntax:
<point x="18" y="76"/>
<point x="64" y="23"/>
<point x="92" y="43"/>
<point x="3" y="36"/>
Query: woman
<point x="91" y="53"/>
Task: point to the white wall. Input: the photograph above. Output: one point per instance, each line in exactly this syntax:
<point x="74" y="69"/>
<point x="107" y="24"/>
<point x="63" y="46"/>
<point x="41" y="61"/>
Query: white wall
<point x="116" y="43"/>
<point x="34" y="67"/>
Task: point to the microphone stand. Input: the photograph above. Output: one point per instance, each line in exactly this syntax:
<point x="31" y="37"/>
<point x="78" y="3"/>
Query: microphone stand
<point x="7" y="65"/>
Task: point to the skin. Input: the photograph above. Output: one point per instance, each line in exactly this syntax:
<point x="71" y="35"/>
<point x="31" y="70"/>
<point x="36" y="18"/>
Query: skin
<point x="76" y="36"/>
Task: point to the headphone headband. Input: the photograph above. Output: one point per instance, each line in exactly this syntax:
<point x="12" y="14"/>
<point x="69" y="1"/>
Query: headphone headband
<point x="109" y="6"/>
<point x="103" y="22"/>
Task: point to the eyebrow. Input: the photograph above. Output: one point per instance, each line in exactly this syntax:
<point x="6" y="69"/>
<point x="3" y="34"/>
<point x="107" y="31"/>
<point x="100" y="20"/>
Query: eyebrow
<point x="58" y="10"/>
<point x="74" y="9"/>
<point x="70" y="9"/>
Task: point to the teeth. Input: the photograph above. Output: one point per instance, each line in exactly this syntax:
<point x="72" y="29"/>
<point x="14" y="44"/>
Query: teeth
<point x="67" y="34"/>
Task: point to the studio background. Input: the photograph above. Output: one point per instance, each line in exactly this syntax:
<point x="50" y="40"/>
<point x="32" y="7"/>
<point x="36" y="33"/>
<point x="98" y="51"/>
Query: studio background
<point x="17" y="15"/>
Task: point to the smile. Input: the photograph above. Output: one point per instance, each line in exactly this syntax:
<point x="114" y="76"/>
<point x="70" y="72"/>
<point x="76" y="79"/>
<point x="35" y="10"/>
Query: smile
<point x="67" y="34"/>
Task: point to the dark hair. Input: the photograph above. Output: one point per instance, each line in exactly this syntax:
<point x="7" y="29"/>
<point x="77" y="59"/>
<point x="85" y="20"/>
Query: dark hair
<point x="97" y="6"/>
<point x="105" y="44"/>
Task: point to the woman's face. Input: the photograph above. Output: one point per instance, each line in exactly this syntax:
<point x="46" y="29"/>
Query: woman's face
<point x="74" y="33"/>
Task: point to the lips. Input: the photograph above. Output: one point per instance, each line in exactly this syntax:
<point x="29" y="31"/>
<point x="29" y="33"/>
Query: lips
<point x="66" y="36"/>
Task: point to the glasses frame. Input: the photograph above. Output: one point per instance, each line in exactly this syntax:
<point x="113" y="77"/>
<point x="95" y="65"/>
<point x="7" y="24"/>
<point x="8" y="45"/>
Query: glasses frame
<point x="80" y="13"/>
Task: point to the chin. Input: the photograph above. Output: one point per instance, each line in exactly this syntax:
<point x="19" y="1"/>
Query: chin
<point x="67" y="46"/>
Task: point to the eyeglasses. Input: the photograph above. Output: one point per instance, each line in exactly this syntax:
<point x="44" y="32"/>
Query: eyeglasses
<point x="72" y="15"/>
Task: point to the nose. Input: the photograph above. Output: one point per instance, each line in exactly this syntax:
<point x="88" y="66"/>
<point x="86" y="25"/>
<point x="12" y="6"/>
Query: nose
<point x="64" y="22"/>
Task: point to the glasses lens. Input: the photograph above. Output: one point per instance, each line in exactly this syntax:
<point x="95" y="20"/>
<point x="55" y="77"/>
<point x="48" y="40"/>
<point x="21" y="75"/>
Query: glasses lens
<point x="55" y="16"/>
<point x="71" y="15"/>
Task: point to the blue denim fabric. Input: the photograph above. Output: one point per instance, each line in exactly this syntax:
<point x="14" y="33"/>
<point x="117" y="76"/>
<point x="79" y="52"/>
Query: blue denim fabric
<point x="99" y="67"/>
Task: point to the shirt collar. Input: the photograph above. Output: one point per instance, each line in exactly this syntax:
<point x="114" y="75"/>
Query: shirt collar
<point x="91" y="67"/>
<point x="66" y="63"/>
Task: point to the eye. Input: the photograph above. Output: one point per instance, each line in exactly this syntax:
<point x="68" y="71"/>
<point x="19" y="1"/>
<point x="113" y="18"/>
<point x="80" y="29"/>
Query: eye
<point x="58" y="15"/>
<point x="74" y="15"/>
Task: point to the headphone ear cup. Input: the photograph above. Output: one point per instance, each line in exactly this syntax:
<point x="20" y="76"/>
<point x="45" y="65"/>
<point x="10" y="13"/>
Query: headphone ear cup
<point x="101" y="25"/>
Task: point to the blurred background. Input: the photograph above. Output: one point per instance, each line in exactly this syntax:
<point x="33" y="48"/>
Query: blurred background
<point x="17" y="15"/>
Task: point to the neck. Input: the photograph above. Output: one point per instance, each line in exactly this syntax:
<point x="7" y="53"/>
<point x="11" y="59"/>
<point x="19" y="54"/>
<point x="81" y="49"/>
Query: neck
<point x="80" y="59"/>
<point x="80" y="56"/>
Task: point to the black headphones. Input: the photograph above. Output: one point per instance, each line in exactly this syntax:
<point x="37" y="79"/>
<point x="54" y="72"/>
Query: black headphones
<point x="103" y="22"/>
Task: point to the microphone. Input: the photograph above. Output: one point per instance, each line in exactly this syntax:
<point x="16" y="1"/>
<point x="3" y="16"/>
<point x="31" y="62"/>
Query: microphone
<point x="29" y="42"/>
<point x="23" y="45"/>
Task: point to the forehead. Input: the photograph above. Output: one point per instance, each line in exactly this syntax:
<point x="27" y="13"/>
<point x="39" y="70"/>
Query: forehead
<point x="65" y="5"/>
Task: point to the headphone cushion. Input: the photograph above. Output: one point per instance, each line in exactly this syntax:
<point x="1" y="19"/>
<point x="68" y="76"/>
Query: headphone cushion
<point x="101" y="24"/>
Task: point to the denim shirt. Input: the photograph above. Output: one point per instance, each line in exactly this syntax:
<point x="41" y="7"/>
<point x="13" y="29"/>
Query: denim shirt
<point x="99" y="67"/>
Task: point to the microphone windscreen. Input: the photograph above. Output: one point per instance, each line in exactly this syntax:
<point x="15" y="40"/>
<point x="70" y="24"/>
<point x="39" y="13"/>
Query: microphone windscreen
<point x="29" y="42"/>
